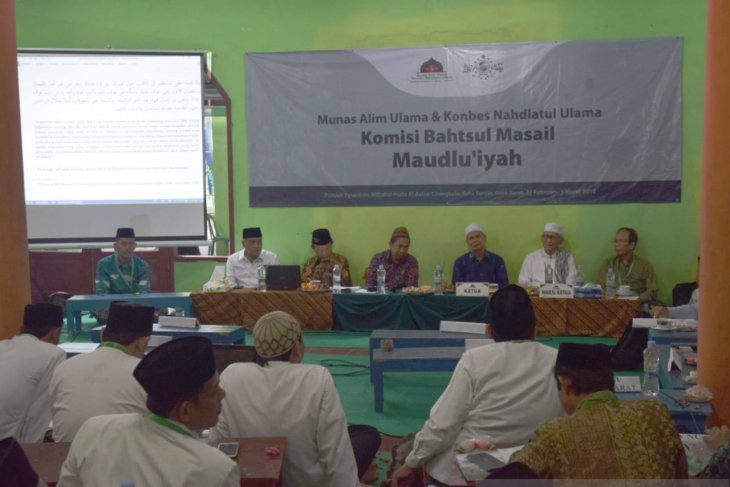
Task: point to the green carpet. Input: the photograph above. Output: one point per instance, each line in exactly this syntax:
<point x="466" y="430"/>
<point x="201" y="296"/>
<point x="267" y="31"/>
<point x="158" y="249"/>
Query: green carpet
<point x="408" y="395"/>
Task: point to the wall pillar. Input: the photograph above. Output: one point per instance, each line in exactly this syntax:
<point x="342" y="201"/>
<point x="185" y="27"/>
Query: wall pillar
<point x="15" y="282"/>
<point x="714" y="330"/>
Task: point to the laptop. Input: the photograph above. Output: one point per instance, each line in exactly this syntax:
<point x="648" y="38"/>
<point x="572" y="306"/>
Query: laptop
<point x="283" y="277"/>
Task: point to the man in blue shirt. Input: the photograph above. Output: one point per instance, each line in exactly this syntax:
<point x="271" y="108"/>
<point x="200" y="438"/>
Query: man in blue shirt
<point x="479" y="265"/>
<point x="122" y="272"/>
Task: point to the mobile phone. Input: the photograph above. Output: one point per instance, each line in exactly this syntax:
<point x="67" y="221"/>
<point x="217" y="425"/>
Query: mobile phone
<point x="230" y="449"/>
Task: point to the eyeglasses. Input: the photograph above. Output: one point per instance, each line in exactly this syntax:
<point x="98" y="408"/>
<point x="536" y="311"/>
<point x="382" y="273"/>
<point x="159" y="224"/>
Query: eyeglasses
<point x="550" y="237"/>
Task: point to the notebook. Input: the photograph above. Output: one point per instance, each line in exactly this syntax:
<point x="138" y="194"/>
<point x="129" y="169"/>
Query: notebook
<point x="283" y="277"/>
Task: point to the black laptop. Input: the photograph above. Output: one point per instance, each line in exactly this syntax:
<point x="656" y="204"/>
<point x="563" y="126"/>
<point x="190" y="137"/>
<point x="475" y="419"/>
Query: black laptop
<point x="283" y="277"/>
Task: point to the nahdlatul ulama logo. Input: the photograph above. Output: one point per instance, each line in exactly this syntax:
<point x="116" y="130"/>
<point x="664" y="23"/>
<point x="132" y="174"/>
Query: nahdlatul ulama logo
<point x="483" y="68"/>
<point x="431" y="71"/>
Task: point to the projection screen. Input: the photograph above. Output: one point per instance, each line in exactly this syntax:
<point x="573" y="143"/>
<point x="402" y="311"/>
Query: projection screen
<point x="112" y="139"/>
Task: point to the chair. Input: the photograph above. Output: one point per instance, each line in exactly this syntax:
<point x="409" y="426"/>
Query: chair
<point x="213" y="233"/>
<point x="15" y="469"/>
<point x="682" y="292"/>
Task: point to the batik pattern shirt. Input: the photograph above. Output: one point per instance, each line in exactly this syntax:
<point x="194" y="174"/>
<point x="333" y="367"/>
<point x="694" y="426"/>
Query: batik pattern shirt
<point x="608" y="439"/>
<point x="115" y="278"/>
<point x="398" y="275"/>
<point x="320" y="270"/>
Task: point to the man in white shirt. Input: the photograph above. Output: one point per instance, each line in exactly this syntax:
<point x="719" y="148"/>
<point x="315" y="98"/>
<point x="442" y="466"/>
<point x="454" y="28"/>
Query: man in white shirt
<point x="27" y="362"/>
<point x="242" y="267"/>
<point x="284" y="397"/>
<point x="503" y="391"/>
<point x="101" y="382"/>
<point x="549" y="260"/>
<point x="160" y="448"/>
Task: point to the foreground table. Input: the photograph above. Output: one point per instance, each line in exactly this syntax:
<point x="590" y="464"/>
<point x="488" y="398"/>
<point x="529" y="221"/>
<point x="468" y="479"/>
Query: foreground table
<point x="244" y="307"/>
<point x="91" y="302"/>
<point x="257" y="468"/>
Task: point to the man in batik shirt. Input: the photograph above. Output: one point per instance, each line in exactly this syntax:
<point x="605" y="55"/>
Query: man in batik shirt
<point x="401" y="268"/>
<point x="122" y="272"/>
<point x="319" y="267"/>
<point x="603" y="437"/>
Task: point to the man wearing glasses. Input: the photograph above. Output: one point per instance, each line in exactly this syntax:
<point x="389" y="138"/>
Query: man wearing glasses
<point x="550" y="262"/>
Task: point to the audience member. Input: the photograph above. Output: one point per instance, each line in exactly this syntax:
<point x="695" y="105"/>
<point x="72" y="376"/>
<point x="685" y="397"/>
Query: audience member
<point x="319" y="267"/>
<point x="242" y="267"/>
<point x="160" y="448"/>
<point x="479" y="265"/>
<point x="122" y="272"/>
<point x="284" y="397"/>
<point x="603" y="437"/>
<point x="630" y="269"/>
<point x="27" y="362"/>
<point x="550" y="258"/>
<point x="401" y="268"/>
<point x="101" y="382"/>
<point x="503" y="390"/>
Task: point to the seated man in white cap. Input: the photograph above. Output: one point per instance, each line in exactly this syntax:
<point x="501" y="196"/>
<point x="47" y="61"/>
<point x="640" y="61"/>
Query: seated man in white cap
<point x="158" y="448"/>
<point x="101" y="382"/>
<point x="284" y="397"/>
<point x="479" y="265"/>
<point x="27" y="362"/>
<point x="550" y="261"/>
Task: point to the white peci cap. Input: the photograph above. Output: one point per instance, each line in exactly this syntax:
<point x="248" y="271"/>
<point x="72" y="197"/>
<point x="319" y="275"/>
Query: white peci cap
<point x="474" y="227"/>
<point x="553" y="227"/>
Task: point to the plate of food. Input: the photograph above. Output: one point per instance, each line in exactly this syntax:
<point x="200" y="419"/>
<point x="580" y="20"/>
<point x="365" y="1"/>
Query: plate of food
<point x="698" y="393"/>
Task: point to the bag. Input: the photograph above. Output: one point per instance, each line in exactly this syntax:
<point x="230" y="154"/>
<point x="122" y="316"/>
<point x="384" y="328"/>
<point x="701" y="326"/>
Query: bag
<point x="628" y="353"/>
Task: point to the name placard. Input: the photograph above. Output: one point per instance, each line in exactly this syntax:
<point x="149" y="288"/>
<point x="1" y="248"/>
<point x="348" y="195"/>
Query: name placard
<point x="626" y="384"/>
<point x="556" y="291"/>
<point x="472" y="289"/>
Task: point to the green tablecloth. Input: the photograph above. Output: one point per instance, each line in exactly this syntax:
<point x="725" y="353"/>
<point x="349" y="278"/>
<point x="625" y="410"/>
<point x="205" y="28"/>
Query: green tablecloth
<point x="366" y="312"/>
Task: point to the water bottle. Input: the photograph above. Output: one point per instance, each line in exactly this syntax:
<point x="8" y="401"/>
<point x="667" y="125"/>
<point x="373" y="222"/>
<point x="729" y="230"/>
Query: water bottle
<point x="580" y="278"/>
<point x="262" y="278"/>
<point x="548" y="274"/>
<point x="381" y="279"/>
<point x="650" y="386"/>
<point x="336" y="279"/>
<point x="438" y="280"/>
<point x="610" y="283"/>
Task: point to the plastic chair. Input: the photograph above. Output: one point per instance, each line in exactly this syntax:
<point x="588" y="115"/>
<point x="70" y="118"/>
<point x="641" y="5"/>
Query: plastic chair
<point x="682" y="292"/>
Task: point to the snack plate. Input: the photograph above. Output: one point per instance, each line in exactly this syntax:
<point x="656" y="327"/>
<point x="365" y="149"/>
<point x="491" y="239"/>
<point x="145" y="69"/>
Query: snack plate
<point x="697" y="400"/>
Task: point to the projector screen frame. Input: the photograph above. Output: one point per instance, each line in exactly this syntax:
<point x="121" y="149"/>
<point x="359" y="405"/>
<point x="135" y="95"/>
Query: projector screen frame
<point x="150" y="238"/>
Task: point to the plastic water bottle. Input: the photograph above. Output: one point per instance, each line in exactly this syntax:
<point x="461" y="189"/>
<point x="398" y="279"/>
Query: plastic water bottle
<point x="580" y="277"/>
<point x="610" y="283"/>
<point x="262" y="278"/>
<point x="548" y="274"/>
<point x="381" y="279"/>
<point x="336" y="279"/>
<point x="650" y="386"/>
<point x="438" y="280"/>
